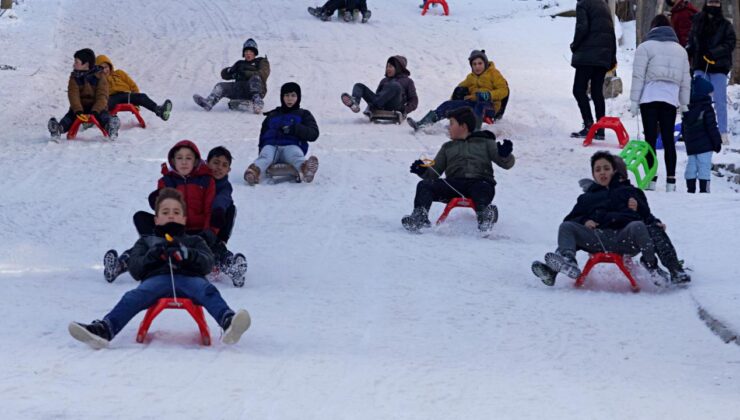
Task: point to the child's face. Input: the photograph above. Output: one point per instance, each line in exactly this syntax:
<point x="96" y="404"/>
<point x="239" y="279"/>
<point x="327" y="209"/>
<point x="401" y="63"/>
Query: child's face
<point x="390" y="71"/>
<point x="170" y="210"/>
<point x="290" y="99"/>
<point x="220" y="166"/>
<point x="603" y="172"/>
<point x="478" y="66"/>
<point x="106" y="68"/>
<point x="249" y="55"/>
<point x="79" y="65"/>
<point x="184" y="161"/>
<point x="458" y="131"/>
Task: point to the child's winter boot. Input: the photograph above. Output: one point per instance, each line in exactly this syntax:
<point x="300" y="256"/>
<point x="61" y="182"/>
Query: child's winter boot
<point x="428" y="119"/>
<point x="691" y="185"/>
<point x="113" y="265"/>
<point x="418" y="219"/>
<point x="163" y="111"/>
<point x="113" y="125"/>
<point x="252" y="175"/>
<point x="660" y="276"/>
<point x="366" y="16"/>
<point x="704" y="186"/>
<point x="563" y="262"/>
<point x="487" y="218"/>
<point x="309" y="168"/>
<point x="55" y="129"/>
<point x="351" y="102"/>
<point x="670" y="185"/>
<point x="258" y="104"/>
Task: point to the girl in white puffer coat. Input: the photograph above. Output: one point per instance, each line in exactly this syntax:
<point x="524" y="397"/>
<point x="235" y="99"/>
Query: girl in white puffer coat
<point x="661" y="82"/>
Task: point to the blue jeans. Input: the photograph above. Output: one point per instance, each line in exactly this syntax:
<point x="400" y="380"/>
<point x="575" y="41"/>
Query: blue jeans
<point x="479" y="108"/>
<point x="292" y="155"/>
<point x="719" y="82"/>
<point x="198" y="289"/>
<point x="699" y="166"/>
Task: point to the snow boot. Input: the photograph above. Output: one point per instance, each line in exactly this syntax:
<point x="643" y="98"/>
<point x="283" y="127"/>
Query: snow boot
<point x="565" y="264"/>
<point x="96" y="334"/>
<point x="113" y="265"/>
<point x="599" y="135"/>
<point x="584" y="132"/>
<point x="316" y="11"/>
<point x="487" y="218"/>
<point x="417" y="220"/>
<point x="347" y="16"/>
<point x="428" y="119"/>
<point x="366" y="16"/>
<point x="55" y="129"/>
<point x="691" y="186"/>
<point x="237" y="270"/>
<point x="704" y="186"/>
<point x="679" y="277"/>
<point x="309" y="168"/>
<point x="660" y="277"/>
<point x="252" y="175"/>
<point x="205" y="103"/>
<point x="351" y="102"/>
<point x="113" y="125"/>
<point x="651" y="186"/>
<point x="545" y="273"/>
<point x="235" y="325"/>
<point x="164" y="110"/>
<point x="257" y="104"/>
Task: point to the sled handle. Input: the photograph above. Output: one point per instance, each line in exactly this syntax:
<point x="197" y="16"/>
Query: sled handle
<point x="82" y="117"/>
<point x="708" y="60"/>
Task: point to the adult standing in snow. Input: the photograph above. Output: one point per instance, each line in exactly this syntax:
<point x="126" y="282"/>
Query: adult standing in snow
<point x="710" y="47"/>
<point x="594" y="49"/>
<point x="395" y="92"/>
<point x="249" y="84"/>
<point x="682" y="11"/>
<point x="661" y="82"/>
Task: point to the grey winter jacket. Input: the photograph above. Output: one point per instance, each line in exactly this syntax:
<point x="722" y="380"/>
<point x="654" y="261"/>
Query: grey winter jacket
<point x="661" y="57"/>
<point x="469" y="158"/>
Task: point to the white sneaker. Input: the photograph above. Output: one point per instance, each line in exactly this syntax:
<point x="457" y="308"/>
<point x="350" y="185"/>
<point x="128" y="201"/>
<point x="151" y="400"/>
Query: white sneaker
<point x="651" y="186"/>
<point x="670" y="187"/>
<point x="725" y="139"/>
<point x="240" y="323"/>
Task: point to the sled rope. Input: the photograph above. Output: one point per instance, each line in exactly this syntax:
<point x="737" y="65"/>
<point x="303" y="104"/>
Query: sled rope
<point x="429" y="163"/>
<point x="172" y="273"/>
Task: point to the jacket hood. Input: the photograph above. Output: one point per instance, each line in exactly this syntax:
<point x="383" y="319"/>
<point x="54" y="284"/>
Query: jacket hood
<point x="200" y="167"/>
<point x="662" y="34"/>
<point x="400" y="63"/>
<point x="701" y="88"/>
<point x="290" y="87"/>
<point x="103" y="59"/>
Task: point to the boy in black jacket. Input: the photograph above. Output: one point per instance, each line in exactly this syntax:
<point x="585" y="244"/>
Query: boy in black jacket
<point x="161" y="265"/>
<point x="249" y="84"/>
<point x="700" y="134"/>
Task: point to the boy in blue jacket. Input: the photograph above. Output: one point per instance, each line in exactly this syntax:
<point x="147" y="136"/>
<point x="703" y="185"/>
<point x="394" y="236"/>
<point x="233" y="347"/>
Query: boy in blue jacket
<point x="163" y="264"/>
<point x="700" y="134"/>
<point x="286" y="132"/>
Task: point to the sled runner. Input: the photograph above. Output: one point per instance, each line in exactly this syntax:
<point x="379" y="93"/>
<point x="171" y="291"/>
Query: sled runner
<point x="282" y="172"/>
<point x="388" y="117"/>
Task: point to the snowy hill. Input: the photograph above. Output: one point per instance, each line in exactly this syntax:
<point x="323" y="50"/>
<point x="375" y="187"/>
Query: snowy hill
<point x="353" y="318"/>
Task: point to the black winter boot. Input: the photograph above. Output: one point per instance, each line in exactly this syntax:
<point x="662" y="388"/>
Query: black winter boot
<point x="584" y="132"/>
<point x="691" y="185"/>
<point x="660" y="276"/>
<point x="487" y="218"/>
<point x="704" y="186"/>
<point x="428" y="119"/>
<point x="163" y="111"/>
<point x="418" y="219"/>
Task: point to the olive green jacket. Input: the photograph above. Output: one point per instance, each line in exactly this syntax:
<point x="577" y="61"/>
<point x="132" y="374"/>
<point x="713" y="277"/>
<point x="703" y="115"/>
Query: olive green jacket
<point x="469" y="158"/>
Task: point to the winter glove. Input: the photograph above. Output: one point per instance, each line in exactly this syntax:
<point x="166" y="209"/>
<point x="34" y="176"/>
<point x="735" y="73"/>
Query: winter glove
<point x="227" y="73"/>
<point x="80" y="114"/>
<point x="634" y="108"/>
<point x="505" y="148"/>
<point x="460" y="93"/>
<point x="417" y="168"/>
<point x="176" y="251"/>
<point x="156" y="253"/>
<point x="288" y="130"/>
<point x="483" y="96"/>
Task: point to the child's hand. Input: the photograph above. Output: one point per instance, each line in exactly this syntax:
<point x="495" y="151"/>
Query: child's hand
<point x="632" y="204"/>
<point x="591" y="224"/>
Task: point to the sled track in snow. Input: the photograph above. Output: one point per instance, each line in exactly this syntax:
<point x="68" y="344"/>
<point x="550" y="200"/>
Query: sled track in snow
<point x="722" y="330"/>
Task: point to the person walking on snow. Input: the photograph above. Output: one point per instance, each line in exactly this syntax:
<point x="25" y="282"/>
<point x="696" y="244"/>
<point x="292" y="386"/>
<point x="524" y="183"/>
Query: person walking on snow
<point x="249" y="84"/>
<point x="594" y="49"/>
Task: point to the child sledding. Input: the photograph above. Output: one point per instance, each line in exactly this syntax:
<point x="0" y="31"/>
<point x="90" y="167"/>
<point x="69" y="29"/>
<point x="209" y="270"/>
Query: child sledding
<point x="284" y="137"/>
<point x="466" y="162"/>
<point x="169" y="262"/>
<point x="87" y="91"/>
<point x="611" y="216"/>
<point x="484" y="90"/>
<point x="394" y="98"/>
<point x="249" y="85"/>
<point x="349" y="10"/>
<point x="191" y="176"/>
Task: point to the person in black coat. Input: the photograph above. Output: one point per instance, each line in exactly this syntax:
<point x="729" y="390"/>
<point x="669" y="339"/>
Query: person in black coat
<point x="710" y="47"/>
<point x="701" y="136"/>
<point x="608" y="217"/>
<point x="594" y="49"/>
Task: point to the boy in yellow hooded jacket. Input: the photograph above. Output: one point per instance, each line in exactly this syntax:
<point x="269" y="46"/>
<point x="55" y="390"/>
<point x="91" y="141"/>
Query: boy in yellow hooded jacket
<point x="484" y="89"/>
<point x="123" y="90"/>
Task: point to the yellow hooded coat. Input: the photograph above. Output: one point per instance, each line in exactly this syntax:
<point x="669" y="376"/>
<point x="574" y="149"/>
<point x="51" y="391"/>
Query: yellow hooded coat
<point x="490" y="81"/>
<point x="118" y="80"/>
